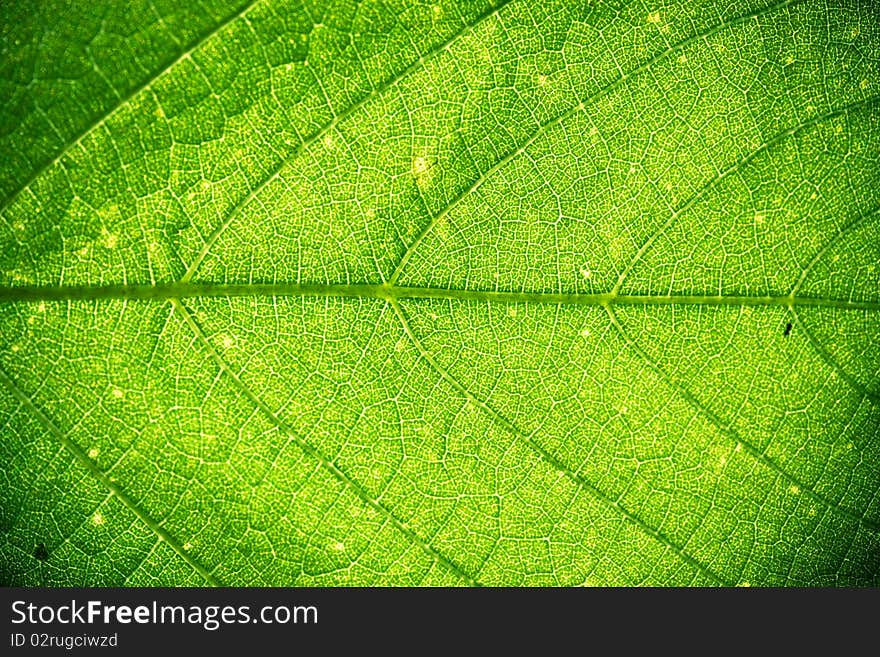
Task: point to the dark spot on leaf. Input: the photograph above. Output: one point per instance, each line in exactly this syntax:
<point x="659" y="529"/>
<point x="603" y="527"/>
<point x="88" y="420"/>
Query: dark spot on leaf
<point x="787" y="329"/>
<point x="41" y="553"/>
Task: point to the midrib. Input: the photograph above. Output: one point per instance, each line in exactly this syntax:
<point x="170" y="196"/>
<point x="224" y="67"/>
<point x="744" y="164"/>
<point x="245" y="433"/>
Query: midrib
<point x="386" y="291"/>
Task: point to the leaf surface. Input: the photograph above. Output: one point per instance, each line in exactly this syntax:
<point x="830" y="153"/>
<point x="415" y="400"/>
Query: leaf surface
<point x="511" y="293"/>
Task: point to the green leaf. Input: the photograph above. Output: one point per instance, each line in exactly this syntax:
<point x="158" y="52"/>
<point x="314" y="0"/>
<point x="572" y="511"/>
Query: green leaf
<point x="463" y="292"/>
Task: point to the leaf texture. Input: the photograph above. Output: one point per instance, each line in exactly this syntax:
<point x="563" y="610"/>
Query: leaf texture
<point x="450" y="293"/>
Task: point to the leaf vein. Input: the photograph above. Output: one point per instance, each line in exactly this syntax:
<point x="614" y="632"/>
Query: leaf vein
<point x="163" y="292"/>
<point x="766" y="146"/>
<point x="572" y="475"/>
<point x="323" y="461"/>
<point x="194" y="45"/>
<point x="589" y="100"/>
<point x="726" y="429"/>
<point x="114" y="489"/>
<point x="318" y="134"/>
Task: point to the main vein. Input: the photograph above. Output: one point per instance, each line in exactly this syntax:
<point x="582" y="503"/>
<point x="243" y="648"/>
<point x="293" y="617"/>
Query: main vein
<point x="162" y="292"/>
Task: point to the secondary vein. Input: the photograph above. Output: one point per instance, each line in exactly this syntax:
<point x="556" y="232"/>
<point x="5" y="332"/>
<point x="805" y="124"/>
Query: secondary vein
<point x="356" y="488"/>
<point x="572" y="475"/>
<point x="102" y="477"/>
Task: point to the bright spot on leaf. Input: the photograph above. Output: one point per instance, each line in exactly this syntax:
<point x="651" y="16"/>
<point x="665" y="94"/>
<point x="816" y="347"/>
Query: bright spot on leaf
<point x="109" y="240"/>
<point x="419" y="166"/>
